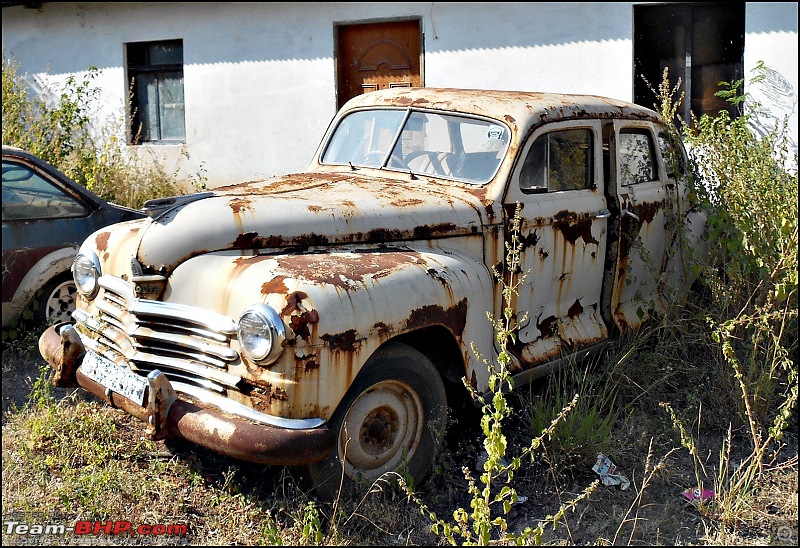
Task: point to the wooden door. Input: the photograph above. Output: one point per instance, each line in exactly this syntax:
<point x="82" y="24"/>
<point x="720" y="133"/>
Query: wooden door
<point x="374" y="56"/>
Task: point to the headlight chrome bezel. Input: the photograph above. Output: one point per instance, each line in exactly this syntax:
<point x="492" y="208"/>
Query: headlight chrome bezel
<point x="265" y="325"/>
<point x="86" y="274"/>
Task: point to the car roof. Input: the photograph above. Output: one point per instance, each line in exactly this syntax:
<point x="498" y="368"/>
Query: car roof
<point x="524" y="109"/>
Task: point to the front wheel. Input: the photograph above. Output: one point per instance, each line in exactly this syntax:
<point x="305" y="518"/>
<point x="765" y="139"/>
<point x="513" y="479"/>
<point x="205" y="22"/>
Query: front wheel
<point x="392" y="419"/>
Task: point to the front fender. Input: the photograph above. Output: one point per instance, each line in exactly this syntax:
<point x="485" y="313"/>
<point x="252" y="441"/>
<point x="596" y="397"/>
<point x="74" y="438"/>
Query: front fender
<point x="340" y="306"/>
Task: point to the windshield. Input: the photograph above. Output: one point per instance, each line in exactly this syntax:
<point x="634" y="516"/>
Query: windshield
<point x="441" y="145"/>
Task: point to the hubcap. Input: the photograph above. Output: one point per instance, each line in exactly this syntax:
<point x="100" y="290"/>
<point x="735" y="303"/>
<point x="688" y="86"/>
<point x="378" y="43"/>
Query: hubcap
<point x="383" y="427"/>
<point x="61" y="303"/>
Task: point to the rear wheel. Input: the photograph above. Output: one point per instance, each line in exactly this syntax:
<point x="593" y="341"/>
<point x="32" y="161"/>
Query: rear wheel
<point x="391" y="420"/>
<point x="56" y="301"/>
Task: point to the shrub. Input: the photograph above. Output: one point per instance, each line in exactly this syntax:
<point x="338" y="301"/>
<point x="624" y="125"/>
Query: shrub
<point x="63" y="128"/>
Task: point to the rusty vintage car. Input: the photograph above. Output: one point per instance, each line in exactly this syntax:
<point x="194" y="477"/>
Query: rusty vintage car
<point x="319" y="319"/>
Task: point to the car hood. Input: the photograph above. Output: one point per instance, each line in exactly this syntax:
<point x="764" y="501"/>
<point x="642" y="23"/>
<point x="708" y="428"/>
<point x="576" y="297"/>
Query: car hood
<point x="309" y="209"/>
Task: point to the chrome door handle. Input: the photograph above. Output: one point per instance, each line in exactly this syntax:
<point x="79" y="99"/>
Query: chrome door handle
<point x="631" y="214"/>
<point x="605" y="214"/>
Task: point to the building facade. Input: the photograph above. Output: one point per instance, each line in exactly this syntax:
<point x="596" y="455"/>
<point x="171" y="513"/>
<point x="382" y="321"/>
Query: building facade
<point x="239" y="91"/>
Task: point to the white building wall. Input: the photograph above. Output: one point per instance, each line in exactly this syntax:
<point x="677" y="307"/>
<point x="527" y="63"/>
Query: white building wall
<point x="259" y="78"/>
<point x="771" y="38"/>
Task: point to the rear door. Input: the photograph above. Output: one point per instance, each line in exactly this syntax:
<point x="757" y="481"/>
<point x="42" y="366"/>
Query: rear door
<point x="641" y="188"/>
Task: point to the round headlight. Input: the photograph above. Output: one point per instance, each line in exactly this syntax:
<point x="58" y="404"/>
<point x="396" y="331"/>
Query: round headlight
<point x="86" y="272"/>
<point x="261" y="333"/>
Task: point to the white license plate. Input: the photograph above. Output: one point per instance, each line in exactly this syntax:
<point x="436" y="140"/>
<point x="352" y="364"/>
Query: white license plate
<point x="115" y="377"/>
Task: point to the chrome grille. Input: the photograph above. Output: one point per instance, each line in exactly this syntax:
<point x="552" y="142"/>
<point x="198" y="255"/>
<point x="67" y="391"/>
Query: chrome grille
<point x="189" y="345"/>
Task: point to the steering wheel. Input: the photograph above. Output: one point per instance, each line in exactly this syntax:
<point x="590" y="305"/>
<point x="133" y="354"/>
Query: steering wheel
<point x="379" y="155"/>
<point x="434" y="166"/>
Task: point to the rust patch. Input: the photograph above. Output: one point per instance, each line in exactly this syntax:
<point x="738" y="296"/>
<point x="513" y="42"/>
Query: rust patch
<point x="101" y="240"/>
<point x="429" y="231"/>
<point x="383" y="235"/>
<point x="251" y="240"/>
<point x="382" y="329"/>
<point x="342" y="341"/>
<point x="543" y="254"/>
<point x="345" y="271"/>
<point x="576" y="309"/>
<point x="260" y="393"/>
<point x="407" y="202"/>
<point x="239" y="205"/>
<point x="275" y="285"/>
<point x="299" y="323"/>
<point x="454" y="318"/>
<point x="311" y="240"/>
<point x="548" y="326"/>
<point x="530" y="240"/>
<point x="647" y="211"/>
<point x="294" y="302"/>
<point x="314" y="208"/>
<point x="573" y="227"/>
<point x="433" y="273"/>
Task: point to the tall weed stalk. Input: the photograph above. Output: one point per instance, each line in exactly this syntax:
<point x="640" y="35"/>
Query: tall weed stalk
<point x="492" y="495"/>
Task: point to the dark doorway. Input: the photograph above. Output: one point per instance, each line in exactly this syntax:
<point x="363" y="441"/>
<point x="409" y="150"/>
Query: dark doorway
<point x="701" y="43"/>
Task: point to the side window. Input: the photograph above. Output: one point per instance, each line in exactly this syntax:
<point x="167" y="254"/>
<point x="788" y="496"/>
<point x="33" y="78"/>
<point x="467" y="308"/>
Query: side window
<point x="674" y="157"/>
<point x="559" y="160"/>
<point x="636" y="155"/>
<point x="155" y="72"/>
<point x="29" y="196"/>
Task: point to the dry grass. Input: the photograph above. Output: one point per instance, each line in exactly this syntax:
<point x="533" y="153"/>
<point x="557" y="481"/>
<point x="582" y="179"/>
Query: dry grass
<point x="68" y="459"/>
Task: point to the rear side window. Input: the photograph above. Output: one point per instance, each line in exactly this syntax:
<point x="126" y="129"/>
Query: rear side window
<point x="637" y="159"/>
<point x="558" y="161"/>
<point x="674" y="156"/>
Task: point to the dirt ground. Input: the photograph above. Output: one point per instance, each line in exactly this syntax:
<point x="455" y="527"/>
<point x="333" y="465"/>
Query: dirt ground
<point x="652" y="511"/>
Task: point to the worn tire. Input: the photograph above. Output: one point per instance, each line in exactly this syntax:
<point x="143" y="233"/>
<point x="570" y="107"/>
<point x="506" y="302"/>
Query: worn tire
<point x="392" y="419"/>
<point x="56" y="300"/>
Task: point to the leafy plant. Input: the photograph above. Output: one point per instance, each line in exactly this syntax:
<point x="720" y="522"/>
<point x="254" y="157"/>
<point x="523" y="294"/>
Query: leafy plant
<point x="63" y="127"/>
<point x="475" y="527"/>
<point x="748" y="183"/>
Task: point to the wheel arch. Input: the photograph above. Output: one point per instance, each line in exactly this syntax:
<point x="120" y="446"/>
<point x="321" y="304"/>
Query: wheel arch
<point x="48" y="267"/>
<point x="440" y="346"/>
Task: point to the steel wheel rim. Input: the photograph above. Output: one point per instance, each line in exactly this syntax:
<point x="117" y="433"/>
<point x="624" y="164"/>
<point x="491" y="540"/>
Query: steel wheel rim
<point x="61" y="303"/>
<point x="382" y="428"/>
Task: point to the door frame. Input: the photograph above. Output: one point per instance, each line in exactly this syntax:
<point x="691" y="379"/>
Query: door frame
<point x="337" y="25"/>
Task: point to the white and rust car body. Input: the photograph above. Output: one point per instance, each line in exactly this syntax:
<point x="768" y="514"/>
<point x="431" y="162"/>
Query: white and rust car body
<point x="368" y="248"/>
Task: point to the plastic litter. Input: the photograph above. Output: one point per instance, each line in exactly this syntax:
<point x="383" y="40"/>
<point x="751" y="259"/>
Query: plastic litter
<point x="698" y="495"/>
<point x="607" y="471"/>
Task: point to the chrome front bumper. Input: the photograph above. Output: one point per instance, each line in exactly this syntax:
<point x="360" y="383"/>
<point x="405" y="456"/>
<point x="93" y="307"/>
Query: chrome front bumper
<point x="171" y="414"/>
